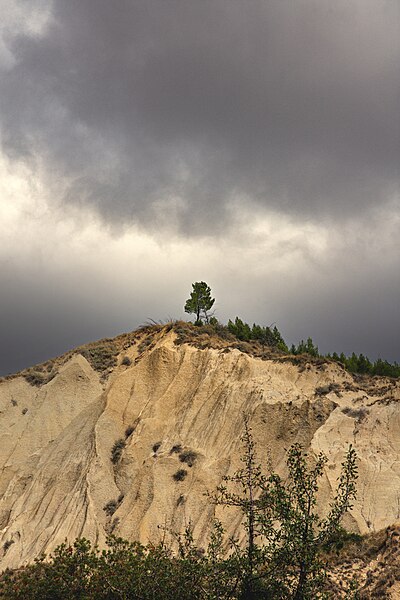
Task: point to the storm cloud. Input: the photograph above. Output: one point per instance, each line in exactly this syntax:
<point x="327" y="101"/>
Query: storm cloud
<point x="163" y="113"/>
<point x="148" y="144"/>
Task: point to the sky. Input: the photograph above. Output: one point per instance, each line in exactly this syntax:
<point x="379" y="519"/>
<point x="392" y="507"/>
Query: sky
<point x="149" y="144"/>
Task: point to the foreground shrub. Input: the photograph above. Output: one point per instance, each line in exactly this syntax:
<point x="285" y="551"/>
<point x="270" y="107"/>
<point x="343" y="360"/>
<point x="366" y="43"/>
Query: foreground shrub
<point x="126" y="570"/>
<point x="285" y="534"/>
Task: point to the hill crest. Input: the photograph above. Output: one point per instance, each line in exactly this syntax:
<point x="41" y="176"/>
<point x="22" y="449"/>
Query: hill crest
<point x="96" y="447"/>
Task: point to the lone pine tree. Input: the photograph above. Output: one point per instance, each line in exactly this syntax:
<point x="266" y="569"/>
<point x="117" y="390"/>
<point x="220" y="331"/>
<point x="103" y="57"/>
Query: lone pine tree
<point x="200" y="301"/>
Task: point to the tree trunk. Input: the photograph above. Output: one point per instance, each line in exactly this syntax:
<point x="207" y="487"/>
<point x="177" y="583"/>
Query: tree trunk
<point x="300" y="585"/>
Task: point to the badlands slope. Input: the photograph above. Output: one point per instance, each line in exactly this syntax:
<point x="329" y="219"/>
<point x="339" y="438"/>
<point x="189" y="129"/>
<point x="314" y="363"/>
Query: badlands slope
<point x="173" y="391"/>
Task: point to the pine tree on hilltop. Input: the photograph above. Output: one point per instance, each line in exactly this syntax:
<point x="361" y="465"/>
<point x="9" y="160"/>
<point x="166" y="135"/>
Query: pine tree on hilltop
<point x="200" y="301"/>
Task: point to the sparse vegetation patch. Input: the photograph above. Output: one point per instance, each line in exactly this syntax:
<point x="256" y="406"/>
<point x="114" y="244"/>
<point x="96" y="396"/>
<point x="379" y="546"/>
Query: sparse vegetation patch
<point x="323" y="390"/>
<point x="37" y="376"/>
<point x="116" y="451"/>
<point x="111" y="507"/>
<point x="356" y="413"/>
<point x="156" y="447"/>
<point x="101" y="357"/>
<point x="341" y="539"/>
<point x="145" y="344"/>
<point x="7" y="544"/>
<point x="180" y="475"/>
<point x="129" y="430"/>
<point x="189" y="457"/>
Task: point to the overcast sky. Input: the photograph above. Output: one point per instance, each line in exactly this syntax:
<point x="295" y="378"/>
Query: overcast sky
<point x="145" y="145"/>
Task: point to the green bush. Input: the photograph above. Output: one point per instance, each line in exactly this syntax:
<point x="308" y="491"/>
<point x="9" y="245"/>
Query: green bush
<point x="362" y="364"/>
<point x="126" y="570"/>
<point x="340" y="539"/>
<point x="284" y="531"/>
<point x="264" y="335"/>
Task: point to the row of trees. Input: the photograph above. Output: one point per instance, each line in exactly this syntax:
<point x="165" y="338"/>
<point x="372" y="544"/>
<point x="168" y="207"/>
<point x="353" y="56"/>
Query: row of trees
<point x="268" y="336"/>
<point x="362" y="364"/>
<point x="200" y="303"/>
<point x="280" y="559"/>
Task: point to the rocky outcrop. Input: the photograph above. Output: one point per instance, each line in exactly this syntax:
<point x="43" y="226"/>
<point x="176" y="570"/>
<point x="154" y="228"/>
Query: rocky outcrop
<point x="137" y="446"/>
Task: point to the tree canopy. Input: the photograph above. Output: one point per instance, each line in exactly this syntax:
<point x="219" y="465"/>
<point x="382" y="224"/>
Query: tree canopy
<point x="200" y="301"/>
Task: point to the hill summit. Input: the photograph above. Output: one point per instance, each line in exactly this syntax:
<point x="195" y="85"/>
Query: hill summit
<point x="129" y="434"/>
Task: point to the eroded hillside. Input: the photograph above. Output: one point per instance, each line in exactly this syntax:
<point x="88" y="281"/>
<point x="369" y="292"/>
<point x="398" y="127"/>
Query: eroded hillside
<point x="129" y="434"/>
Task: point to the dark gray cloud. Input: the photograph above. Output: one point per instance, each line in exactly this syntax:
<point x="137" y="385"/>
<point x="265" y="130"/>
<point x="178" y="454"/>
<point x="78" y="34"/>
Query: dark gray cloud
<point x="252" y="144"/>
<point x="161" y="113"/>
